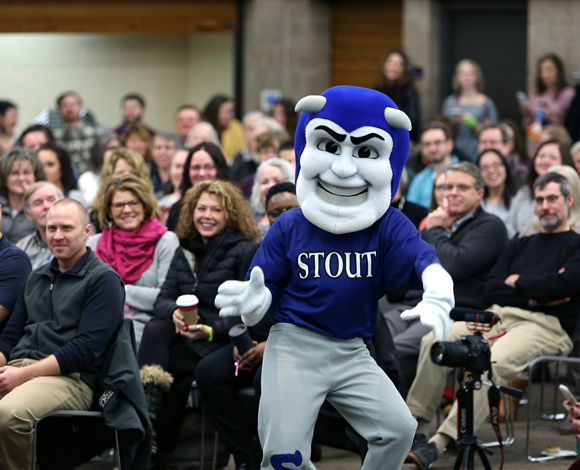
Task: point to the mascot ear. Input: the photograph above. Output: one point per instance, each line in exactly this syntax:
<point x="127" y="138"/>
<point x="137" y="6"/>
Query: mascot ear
<point x="311" y="104"/>
<point x="396" y="118"/>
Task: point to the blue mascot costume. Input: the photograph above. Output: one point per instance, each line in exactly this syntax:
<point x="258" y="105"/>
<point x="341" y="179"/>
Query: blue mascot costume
<point x="324" y="267"/>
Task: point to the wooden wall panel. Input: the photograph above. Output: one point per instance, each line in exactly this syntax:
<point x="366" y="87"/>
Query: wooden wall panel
<point x="120" y="16"/>
<point x="363" y="32"/>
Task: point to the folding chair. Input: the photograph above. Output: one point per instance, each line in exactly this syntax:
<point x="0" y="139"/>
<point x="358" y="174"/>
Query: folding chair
<point x="557" y="399"/>
<point x="75" y="417"/>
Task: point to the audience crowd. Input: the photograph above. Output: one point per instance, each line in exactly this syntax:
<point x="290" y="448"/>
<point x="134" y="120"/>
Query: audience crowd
<point x="179" y="212"/>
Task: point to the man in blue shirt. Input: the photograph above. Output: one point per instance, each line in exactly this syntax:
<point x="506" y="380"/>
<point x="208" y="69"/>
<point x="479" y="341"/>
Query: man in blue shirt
<point x="436" y="147"/>
<point x="14" y="269"/>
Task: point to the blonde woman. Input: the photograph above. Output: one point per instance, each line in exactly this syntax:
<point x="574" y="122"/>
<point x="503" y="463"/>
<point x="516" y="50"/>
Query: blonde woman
<point x="134" y="243"/>
<point x="120" y="161"/>
<point x="469" y="107"/>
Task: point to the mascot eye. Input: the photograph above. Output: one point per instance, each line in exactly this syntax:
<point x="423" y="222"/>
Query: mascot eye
<point x="365" y="152"/>
<point x="329" y="146"/>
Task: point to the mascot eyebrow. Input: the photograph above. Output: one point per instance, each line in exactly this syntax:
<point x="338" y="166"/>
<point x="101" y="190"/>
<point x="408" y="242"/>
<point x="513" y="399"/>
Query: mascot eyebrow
<point x="364" y="138"/>
<point x="354" y="140"/>
<point x="334" y="135"/>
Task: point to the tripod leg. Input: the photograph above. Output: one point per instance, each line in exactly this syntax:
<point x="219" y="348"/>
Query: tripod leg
<point x="483" y="458"/>
<point x="469" y="462"/>
<point x="458" y="460"/>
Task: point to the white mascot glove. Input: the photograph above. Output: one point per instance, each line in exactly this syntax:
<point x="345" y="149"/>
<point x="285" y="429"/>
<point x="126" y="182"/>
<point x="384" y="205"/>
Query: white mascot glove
<point x="437" y="302"/>
<point x="250" y="299"/>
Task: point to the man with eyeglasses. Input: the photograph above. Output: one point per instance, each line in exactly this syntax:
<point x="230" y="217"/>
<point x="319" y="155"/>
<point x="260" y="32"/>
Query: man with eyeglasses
<point x="467" y="240"/>
<point x="436" y="146"/>
<point x="280" y="198"/>
<point x="535" y="289"/>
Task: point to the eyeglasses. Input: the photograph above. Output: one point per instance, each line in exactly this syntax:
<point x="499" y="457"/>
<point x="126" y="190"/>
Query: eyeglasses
<point x="204" y="168"/>
<point x="119" y="206"/>
<point x="275" y="213"/>
<point x="437" y="143"/>
<point x="552" y="199"/>
<point x="440" y="187"/>
<point x="164" y="147"/>
<point x="489" y="167"/>
<point x="462" y="188"/>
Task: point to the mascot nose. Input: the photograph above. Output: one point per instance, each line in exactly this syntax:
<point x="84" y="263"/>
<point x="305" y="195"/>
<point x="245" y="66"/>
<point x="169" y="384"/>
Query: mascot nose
<point x="344" y="166"/>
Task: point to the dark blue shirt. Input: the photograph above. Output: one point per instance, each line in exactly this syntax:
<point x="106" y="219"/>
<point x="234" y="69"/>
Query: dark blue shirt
<point x="332" y="283"/>
<point x="14" y="270"/>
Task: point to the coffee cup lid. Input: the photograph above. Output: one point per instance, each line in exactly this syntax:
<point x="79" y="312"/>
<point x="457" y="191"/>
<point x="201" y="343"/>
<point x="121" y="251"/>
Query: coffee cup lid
<point x="186" y="300"/>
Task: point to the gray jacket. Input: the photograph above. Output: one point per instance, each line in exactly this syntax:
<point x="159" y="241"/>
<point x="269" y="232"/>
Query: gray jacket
<point x="15" y="227"/>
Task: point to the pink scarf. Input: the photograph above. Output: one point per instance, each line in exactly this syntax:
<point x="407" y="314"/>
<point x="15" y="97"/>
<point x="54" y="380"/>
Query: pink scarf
<point x="128" y="253"/>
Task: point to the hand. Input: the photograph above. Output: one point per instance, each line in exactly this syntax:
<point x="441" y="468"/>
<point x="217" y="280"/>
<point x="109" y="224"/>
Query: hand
<point x="189" y="332"/>
<point x="250" y="299"/>
<point x="574" y="415"/>
<point x="237" y="356"/>
<point x="12" y="377"/>
<point x="178" y="320"/>
<point x="524" y="108"/>
<point x="439" y="218"/>
<point x="551" y="117"/>
<point x="253" y="357"/>
<point x="511" y="280"/>
<point x="553" y="303"/>
<point x="438" y="300"/>
<point x="194" y="332"/>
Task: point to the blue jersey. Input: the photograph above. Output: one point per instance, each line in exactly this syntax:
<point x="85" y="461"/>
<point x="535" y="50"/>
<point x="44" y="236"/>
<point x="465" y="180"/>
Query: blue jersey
<point x="332" y="283"/>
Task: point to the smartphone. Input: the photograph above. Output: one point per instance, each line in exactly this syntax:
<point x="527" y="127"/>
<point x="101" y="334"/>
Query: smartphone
<point x="523" y="98"/>
<point x="568" y="394"/>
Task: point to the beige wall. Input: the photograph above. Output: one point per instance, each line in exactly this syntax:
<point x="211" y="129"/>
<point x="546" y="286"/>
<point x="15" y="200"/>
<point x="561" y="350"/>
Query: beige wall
<point x="167" y="69"/>
<point x="287" y="47"/>
<point x="421" y="40"/>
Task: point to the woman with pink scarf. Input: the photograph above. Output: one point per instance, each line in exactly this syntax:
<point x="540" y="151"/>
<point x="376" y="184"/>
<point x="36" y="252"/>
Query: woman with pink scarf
<point x="134" y="243"/>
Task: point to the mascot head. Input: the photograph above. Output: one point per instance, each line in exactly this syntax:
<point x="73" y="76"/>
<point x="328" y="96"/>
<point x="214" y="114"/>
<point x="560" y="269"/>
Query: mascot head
<point x="351" y="146"/>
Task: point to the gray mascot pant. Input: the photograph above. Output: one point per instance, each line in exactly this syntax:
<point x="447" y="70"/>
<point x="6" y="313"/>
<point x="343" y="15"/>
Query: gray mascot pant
<point x="301" y="369"/>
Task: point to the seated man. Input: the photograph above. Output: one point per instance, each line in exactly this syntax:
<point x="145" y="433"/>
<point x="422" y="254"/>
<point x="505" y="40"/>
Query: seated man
<point x="38" y="199"/>
<point x="14" y="270"/>
<point x="468" y="241"/>
<point x="535" y="289"/>
<point x="54" y="342"/>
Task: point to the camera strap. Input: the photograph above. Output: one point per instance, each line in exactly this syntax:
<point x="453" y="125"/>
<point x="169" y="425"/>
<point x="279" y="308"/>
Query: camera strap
<point x="493" y="398"/>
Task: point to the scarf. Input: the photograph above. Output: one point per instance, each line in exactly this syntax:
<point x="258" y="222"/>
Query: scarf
<point x="128" y="253"/>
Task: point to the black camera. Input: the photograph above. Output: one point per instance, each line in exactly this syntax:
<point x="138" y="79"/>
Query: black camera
<point x="470" y="352"/>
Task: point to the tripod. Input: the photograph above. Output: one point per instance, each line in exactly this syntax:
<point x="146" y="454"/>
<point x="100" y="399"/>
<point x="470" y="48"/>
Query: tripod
<point x="467" y="441"/>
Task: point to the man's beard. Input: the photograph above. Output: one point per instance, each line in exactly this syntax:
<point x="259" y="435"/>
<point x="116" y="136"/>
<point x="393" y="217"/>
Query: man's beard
<point x="551" y="226"/>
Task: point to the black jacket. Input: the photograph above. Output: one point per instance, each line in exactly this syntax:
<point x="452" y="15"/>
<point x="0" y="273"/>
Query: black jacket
<point x="225" y="257"/>
<point x="469" y="254"/>
<point x="123" y="401"/>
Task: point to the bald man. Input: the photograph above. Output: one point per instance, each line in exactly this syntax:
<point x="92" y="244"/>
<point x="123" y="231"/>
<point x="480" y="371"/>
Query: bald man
<point x="54" y="342"/>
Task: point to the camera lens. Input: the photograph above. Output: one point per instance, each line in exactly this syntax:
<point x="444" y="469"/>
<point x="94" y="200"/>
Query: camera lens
<point x="450" y="354"/>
